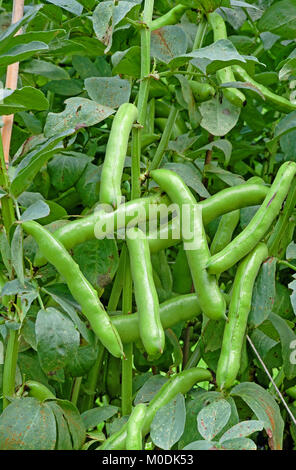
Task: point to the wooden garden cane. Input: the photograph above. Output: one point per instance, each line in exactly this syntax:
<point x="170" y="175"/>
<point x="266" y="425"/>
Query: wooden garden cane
<point x="11" y="82"/>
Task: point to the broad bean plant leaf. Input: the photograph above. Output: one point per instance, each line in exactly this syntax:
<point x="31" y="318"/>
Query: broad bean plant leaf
<point x="168" y="423"/>
<point x="265" y="408"/>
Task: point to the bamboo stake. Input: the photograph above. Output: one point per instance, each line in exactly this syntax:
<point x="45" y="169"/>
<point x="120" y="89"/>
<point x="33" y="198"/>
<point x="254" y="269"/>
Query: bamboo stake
<point x="11" y="82"/>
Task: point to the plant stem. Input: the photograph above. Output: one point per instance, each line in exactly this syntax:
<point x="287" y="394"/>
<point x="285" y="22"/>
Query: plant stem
<point x="156" y="161"/>
<point x="76" y="390"/>
<point x="92" y="379"/>
<point x="127" y="363"/>
<point x="194" y="358"/>
<point x="289" y="265"/>
<point x="6" y="202"/>
<point x="200" y="34"/>
<point x="142" y="98"/>
<point x="9" y="369"/>
<point x="118" y="283"/>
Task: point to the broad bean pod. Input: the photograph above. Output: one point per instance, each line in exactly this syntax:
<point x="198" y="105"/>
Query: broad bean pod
<point x="172" y="311"/>
<point x="110" y="186"/>
<point x="79" y="286"/>
<point x="260" y="223"/>
<point x="151" y="330"/>
<point x="225" y="75"/>
<point x="239" y="308"/>
<point x="210" y="298"/>
<point x="134" y="427"/>
<point x="279" y="102"/>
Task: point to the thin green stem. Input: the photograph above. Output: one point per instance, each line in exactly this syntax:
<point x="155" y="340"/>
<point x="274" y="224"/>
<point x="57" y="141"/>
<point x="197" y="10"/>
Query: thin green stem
<point x="198" y="41"/>
<point x="76" y="390"/>
<point x="92" y="380"/>
<point x="6" y="202"/>
<point x="118" y="283"/>
<point x="156" y="161"/>
<point x="194" y="358"/>
<point x="9" y="369"/>
<point x="142" y="98"/>
<point x="127" y="363"/>
<point x="289" y="265"/>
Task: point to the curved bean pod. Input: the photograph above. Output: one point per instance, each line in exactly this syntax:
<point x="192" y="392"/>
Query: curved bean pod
<point x="80" y="288"/>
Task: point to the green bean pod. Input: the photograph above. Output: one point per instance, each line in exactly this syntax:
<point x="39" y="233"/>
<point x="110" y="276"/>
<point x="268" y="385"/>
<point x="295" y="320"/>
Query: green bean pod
<point x="201" y="91"/>
<point x="279" y="102"/>
<point x="260" y="223"/>
<point x="225" y="230"/>
<point x="210" y="298"/>
<point x="81" y="230"/>
<point x="172" y="311"/>
<point x="171" y="17"/>
<point x="239" y="308"/>
<point x="38" y="390"/>
<point x="134" y="428"/>
<point x="151" y="330"/>
<point x="180" y="383"/>
<point x="225" y="75"/>
<point x="110" y="186"/>
<point x="80" y="288"/>
<point x="225" y="201"/>
<point x="103" y="223"/>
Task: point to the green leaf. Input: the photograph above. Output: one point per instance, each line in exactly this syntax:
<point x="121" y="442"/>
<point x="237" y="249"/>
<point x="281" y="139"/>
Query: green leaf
<point x="263" y="293"/>
<point x="17" y="254"/>
<point x="127" y="62"/>
<point x="98" y="260"/>
<point x="212" y="419"/>
<point x="265" y="408"/>
<point x="27" y="424"/>
<point x="287" y="336"/>
<point x="68" y="87"/>
<point x="190" y="175"/>
<point x="168" y="423"/>
<point x="34" y="161"/>
<point x="64" y="441"/>
<point x="45" y="69"/>
<point x="82" y="361"/>
<point x="231" y="179"/>
<point x="14" y="27"/>
<point x="242" y="429"/>
<point x="79" y="113"/>
<point x="25" y="98"/>
<point x="198" y="401"/>
<point x="88" y="185"/>
<point x="107" y="15"/>
<point x="240" y="443"/>
<point x="149" y="389"/>
<point x="57" y="339"/>
<point x="66" y="168"/>
<point x="35" y="211"/>
<point x="222" y="144"/>
<point x="218" y="116"/>
<point x="168" y="42"/>
<point x="74" y="422"/>
<point x="70" y="5"/>
<point x="108" y="91"/>
<point x="201" y="445"/>
<point x="91" y="418"/>
<point x="21" y="52"/>
<point x="71" y="312"/>
<point x="286" y="124"/>
<point x="280" y="18"/>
